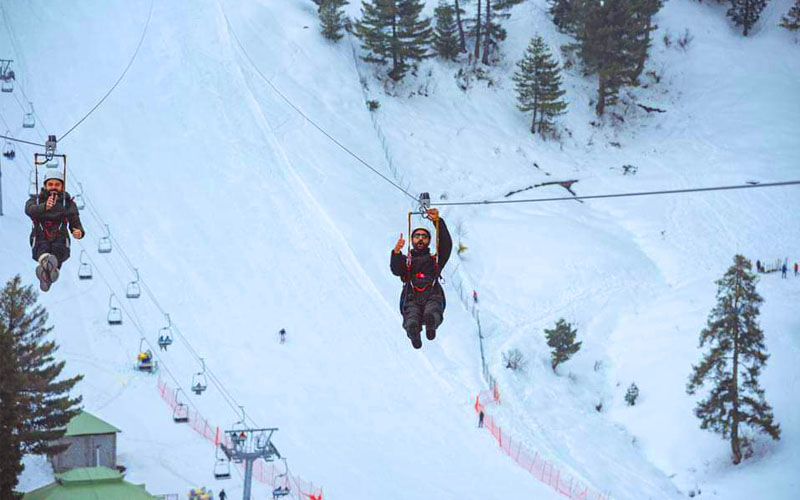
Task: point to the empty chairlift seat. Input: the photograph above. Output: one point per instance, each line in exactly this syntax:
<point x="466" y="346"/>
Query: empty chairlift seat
<point x="104" y="245"/>
<point x="29" y="121"/>
<point x="85" y="269"/>
<point x="134" y="291"/>
<point x="181" y="412"/>
<point x="114" y="312"/>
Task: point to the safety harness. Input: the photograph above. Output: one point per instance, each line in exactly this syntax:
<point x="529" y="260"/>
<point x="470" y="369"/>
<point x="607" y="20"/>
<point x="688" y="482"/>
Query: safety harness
<point x="50" y="228"/>
<point x="421" y="275"/>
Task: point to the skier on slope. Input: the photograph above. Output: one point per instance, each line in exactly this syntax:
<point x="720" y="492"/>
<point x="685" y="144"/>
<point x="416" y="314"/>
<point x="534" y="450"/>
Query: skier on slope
<point x="52" y="210"/>
<point x="422" y="300"/>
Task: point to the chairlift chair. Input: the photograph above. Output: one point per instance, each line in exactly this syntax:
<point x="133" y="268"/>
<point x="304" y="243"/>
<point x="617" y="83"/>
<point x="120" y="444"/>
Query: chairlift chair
<point x="29" y="121"/>
<point x="8" y="148"/>
<point x="222" y="465"/>
<point x="7" y="75"/>
<point x="199" y="382"/>
<point x="165" y="334"/>
<point x="181" y="412"/>
<point x="114" y="312"/>
<point x="85" y="269"/>
<point x="222" y="469"/>
<point x="78" y="198"/>
<point x="134" y="290"/>
<point x="104" y="245"/>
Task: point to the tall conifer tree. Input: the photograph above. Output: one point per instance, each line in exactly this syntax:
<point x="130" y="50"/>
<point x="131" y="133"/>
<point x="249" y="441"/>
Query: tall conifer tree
<point x="445" y="35"/>
<point x="791" y="21"/>
<point x="538" y="84"/>
<point x="394" y="31"/>
<point x="35" y="407"/>
<point x="745" y="13"/>
<point x="732" y="363"/>
<point x="332" y="18"/>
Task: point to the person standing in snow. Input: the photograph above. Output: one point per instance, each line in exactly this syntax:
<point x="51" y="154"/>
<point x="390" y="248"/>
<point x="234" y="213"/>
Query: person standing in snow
<point x="783" y="270"/>
<point x="796" y="269"/>
<point x="52" y="210"/>
<point x="422" y="299"/>
<point x="480" y="419"/>
<point x="223" y="495"/>
<point x="283" y="335"/>
<point x="758" y="266"/>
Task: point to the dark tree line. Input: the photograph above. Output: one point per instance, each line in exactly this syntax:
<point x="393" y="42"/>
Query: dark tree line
<point x="612" y="40"/>
<point x="35" y="404"/>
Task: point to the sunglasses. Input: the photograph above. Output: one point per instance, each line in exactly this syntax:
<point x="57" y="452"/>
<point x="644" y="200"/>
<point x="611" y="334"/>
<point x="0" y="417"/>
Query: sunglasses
<point x="421" y="235"/>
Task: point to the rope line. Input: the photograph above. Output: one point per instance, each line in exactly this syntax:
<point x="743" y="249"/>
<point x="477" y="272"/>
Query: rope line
<point x="619" y="195"/>
<point x="300" y="111"/>
<point x="23" y="141"/>
<point x="130" y="63"/>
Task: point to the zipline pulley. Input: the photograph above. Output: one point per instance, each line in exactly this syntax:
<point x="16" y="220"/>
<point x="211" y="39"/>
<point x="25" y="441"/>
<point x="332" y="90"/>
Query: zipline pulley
<point x="50" y="146"/>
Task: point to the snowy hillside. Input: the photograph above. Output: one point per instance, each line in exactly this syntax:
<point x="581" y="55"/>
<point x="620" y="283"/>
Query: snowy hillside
<point x="242" y="218"/>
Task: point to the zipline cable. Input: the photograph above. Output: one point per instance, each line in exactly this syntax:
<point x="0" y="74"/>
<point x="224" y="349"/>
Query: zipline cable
<point x="22" y="141"/>
<point x="300" y="111"/>
<point x="619" y="195"/>
<point x="130" y="63"/>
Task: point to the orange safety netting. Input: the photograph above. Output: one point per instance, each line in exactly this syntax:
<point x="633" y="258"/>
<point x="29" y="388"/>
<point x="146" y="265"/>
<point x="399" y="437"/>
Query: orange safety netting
<point x="545" y="471"/>
<point x="263" y="472"/>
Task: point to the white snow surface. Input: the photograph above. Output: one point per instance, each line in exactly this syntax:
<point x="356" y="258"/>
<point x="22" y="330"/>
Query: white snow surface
<point x="242" y="219"/>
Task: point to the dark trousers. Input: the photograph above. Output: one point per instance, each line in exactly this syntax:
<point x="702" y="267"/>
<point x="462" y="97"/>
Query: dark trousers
<point x="419" y="306"/>
<point x="58" y="247"/>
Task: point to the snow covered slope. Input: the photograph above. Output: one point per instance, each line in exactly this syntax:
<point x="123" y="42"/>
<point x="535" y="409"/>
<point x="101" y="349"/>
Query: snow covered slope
<point x="243" y="219"/>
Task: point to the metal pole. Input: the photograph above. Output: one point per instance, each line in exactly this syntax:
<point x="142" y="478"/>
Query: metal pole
<point x="248" y="478"/>
<point x="1" y="190"/>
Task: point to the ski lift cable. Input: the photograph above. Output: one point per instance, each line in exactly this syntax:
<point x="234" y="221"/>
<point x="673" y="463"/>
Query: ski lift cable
<point x="300" y="111"/>
<point x="22" y="141"/>
<point x="621" y="195"/>
<point x="140" y="330"/>
<point x="211" y="375"/>
<point x="124" y="72"/>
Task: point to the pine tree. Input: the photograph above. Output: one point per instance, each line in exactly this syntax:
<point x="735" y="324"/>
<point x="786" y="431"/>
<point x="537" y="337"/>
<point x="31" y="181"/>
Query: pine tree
<point x="562" y="341"/>
<point x="486" y="28"/>
<point x="613" y="38"/>
<point x="415" y="34"/>
<point x="445" y="36"/>
<point x="565" y="15"/>
<point x="538" y="84"/>
<point x="641" y="26"/>
<point x="34" y="407"/>
<point x="462" y="39"/>
<point x="791" y="21"/>
<point x="733" y="362"/>
<point x="393" y="30"/>
<point x="745" y="13"/>
<point x="377" y="30"/>
<point x="332" y="18"/>
<point x="632" y="394"/>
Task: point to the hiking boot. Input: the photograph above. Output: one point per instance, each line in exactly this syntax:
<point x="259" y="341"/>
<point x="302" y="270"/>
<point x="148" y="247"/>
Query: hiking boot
<point x="49" y="263"/>
<point x="430" y="326"/>
<point x="44" y="279"/>
<point x="414" y="335"/>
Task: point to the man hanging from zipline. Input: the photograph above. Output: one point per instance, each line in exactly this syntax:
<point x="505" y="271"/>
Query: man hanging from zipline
<point x="52" y="211"/>
<point x="422" y="301"/>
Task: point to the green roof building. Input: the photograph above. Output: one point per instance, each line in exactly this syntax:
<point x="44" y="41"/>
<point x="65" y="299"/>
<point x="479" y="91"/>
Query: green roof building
<point x="92" y="443"/>
<point x="90" y="483"/>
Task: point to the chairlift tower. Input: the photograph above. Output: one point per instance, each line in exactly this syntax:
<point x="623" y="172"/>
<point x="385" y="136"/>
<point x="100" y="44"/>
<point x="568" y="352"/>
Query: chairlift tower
<point x="248" y="445"/>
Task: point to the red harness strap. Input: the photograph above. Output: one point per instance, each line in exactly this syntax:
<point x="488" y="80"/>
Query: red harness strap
<point x="421" y="275"/>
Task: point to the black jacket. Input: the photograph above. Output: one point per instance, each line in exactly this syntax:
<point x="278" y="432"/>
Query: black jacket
<point x="55" y="223"/>
<point x="424" y="275"/>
